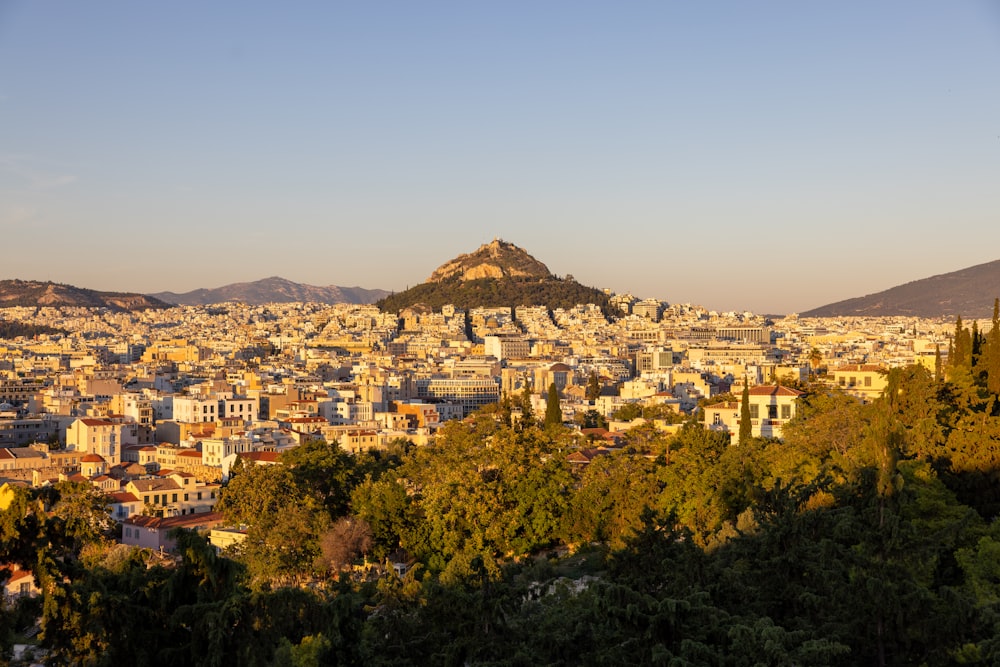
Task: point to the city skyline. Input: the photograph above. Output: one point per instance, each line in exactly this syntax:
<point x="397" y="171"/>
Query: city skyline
<point x="769" y="158"/>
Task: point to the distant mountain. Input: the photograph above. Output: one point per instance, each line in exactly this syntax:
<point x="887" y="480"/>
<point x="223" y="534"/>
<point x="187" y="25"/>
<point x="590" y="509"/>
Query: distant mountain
<point x="969" y="293"/>
<point x="496" y="274"/>
<point x="273" y="290"/>
<point x="34" y="293"/>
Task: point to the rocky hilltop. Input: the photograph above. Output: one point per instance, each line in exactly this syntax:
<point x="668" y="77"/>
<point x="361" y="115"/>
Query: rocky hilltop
<point x="967" y="292"/>
<point x="496" y="260"/>
<point x="273" y="290"/>
<point x="35" y="293"/>
<point x="497" y="274"/>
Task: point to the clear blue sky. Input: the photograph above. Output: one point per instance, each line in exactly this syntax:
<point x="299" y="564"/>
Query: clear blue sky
<point x="773" y="156"/>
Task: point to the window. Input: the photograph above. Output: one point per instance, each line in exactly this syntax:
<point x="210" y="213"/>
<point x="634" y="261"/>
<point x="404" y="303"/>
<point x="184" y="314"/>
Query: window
<point x="717" y="419"/>
<point x="173" y="498"/>
<point x="868" y="380"/>
<point x="786" y="411"/>
<point x="754" y="411"/>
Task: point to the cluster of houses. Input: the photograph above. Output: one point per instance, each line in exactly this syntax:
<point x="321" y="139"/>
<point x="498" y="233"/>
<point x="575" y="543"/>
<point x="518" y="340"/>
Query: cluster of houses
<point x="154" y="408"/>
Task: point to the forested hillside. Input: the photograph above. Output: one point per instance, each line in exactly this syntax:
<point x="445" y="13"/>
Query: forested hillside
<point x="492" y="292"/>
<point x="866" y="538"/>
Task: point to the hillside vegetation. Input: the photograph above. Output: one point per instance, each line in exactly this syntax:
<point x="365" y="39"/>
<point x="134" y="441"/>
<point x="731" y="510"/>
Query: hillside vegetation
<point x="490" y="292"/>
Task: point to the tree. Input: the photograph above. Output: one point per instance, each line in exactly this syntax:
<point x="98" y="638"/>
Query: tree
<point x="324" y="471"/>
<point x="387" y="509"/>
<point x="256" y="491"/>
<point x="993" y="352"/>
<point x="815" y="359"/>
<point x="553" y="413"/>
<point x="527" y="416"/>
<point x="746" y="425"/>
<point x="627" y="412"/>
<point x="285" y="522"/>
<point x="590" y="419"/>
<point x="593" y="387"/>
<point x="613" y="492"/>
<point x="344" y="541"/>
<point x="960" y="358"/>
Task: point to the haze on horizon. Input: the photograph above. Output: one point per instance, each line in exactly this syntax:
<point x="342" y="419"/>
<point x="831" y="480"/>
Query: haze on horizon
<point x="771" y="157"/>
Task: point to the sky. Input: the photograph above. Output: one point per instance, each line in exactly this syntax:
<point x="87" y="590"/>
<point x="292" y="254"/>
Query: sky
<point x="769" y="156"/>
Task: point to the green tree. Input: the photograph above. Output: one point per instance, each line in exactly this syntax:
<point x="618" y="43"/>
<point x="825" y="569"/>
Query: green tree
<point x="388" y="510"/>
<point x="527" y="414"/>
<point x="993" y="352"/>
<point x="627" y="412"/>
<point x="325" y="471"/>
<point x="553" y="413"/>
<point x="284" y="524"/>
<point x="613" y="492"/>
<point x="590" y="419"/>
<point x="593" y="387"/>
<point x="746" y="424"/>
<point x="815" y="359"/>
<point x="255" y="491"/>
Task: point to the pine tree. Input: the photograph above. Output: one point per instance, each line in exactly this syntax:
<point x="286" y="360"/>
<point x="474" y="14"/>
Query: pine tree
<point x="937" y="362"/>
<point x="746" y="426"/>
<point x="553" y="413"/>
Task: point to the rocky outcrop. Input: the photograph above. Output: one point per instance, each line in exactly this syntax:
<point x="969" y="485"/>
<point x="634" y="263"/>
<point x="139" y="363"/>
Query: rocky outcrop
<point x="497" y="259"/>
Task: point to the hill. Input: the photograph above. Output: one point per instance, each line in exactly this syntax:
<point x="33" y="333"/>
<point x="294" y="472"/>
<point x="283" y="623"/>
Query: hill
<point x="36" y="293"/>
<point x="968" y="292"/>
<point x="273" y="290"/>
<point x="495" y="260"/>
<point x="496" y="274"/>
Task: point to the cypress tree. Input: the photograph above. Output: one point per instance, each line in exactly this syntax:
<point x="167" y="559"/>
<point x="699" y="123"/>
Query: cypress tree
<point x="553" y="413"/>
<point x="746" y="427"/>
<point x="593" y="387"/>
<point x="526" y="413"/>
<point x="961" y="359"/>
<point x="993" y="352"/>
<point x="976" y="347"/>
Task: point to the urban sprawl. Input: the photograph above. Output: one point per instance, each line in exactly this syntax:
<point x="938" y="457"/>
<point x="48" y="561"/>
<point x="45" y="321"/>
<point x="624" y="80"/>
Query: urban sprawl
<point x="155" y="407"/>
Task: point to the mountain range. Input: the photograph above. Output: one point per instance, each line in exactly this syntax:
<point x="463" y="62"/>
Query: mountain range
<point x="273" y="290"/>
<point x="502" y="274"/>
<point x="968" y="292"/>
